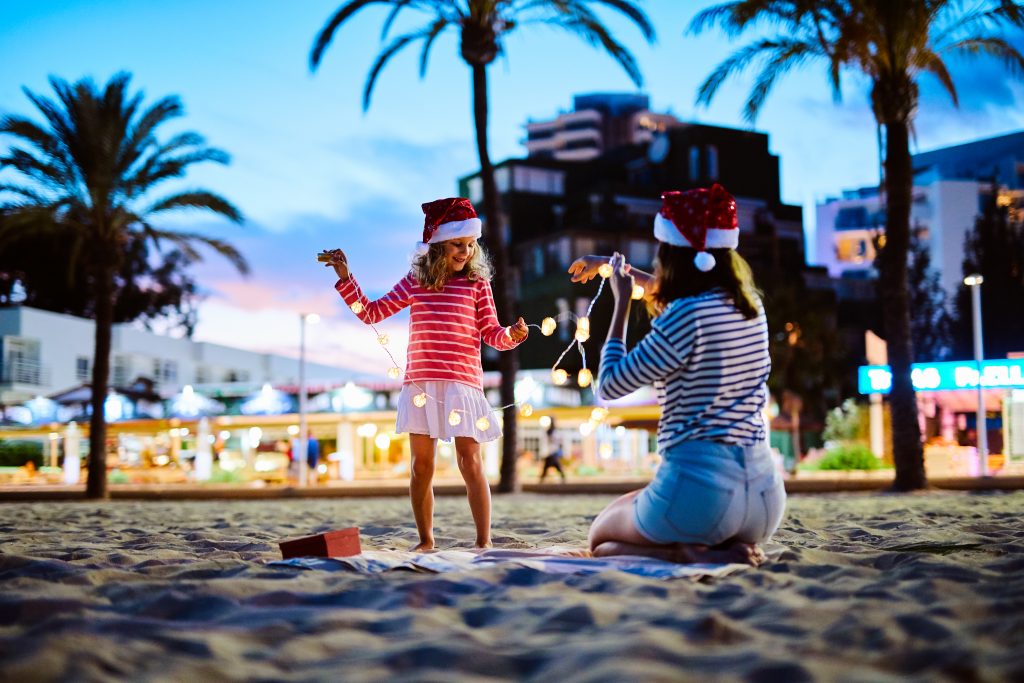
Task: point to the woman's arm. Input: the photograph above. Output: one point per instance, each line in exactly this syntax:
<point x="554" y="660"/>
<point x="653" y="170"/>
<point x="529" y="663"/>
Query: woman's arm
<point x="585" y="269"/>
<point x="652" y="359"/>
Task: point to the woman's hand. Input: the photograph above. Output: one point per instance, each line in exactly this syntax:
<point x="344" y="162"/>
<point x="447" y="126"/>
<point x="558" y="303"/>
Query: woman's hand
<point x="621" y="281"/>
<point x="519" y="331"/>
<point x="339" y="262"/>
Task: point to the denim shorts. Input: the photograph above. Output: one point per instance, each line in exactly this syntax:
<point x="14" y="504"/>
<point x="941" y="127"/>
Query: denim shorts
<point x="708" y="492"/>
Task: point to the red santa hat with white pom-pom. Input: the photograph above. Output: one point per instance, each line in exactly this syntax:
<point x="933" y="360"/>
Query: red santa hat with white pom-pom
<point x="448" y="219"/>
<point x="702" y="219"/>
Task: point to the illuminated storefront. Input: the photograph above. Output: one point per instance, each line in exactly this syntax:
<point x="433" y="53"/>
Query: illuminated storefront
<point x="947" y="396"/>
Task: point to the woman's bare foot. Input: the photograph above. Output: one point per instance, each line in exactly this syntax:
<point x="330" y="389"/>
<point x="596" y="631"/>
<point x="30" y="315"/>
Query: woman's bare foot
<point x="424" y="546"/>
<point x="726" y="553"/>
<point x="483" y="545"/>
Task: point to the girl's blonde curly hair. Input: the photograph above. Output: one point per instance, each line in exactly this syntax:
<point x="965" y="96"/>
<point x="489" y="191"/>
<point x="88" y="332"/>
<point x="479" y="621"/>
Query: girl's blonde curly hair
<point x="432" y="272"/>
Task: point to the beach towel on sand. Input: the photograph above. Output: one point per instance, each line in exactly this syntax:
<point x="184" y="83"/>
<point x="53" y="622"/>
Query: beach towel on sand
<point x="377" y="561"/>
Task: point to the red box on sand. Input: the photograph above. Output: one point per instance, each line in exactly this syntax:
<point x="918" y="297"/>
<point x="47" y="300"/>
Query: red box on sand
<point x="340" y="543"/>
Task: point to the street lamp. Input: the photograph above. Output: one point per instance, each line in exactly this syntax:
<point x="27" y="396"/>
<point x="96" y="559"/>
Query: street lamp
<point x="974" y="282"/>
<point x="302" y="442"/>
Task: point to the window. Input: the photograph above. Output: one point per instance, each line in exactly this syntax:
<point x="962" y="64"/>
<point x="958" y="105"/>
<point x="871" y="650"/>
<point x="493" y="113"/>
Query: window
<point x="538" y="261"/>
<point x="83" y="368"/>
<point x="712" y="153"/>
<point x="122" y="366"/>
<point x="476" y="190"/>
<point x="694" y="162"/>
<point x="22" y="364"/>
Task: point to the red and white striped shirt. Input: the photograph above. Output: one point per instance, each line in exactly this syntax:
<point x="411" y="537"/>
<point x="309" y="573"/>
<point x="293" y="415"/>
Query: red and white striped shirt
<point x="445" y="327"/>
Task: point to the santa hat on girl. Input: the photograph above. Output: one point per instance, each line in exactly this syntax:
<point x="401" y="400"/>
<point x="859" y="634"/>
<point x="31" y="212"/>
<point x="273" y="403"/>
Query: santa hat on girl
<point x="448" y="219"/>
<point x="701" y="219"/>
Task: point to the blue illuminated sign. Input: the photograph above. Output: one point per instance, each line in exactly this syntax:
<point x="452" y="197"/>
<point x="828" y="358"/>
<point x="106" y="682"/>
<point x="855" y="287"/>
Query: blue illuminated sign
<point x="995" y="374"/>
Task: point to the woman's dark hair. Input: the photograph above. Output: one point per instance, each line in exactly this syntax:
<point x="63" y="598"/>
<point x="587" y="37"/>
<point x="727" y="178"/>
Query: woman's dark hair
<point x="676" y="277"/>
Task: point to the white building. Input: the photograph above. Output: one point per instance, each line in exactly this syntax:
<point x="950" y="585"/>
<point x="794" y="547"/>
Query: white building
<point x="42" y="353"/>
<point x="598" y="122"/>
<point x="950" y="185"/>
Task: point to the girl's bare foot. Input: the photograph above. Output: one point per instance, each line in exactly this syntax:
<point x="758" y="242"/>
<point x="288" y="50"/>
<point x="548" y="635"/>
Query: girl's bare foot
<point x="424" y="546"/>
<point x="483" y="545"/>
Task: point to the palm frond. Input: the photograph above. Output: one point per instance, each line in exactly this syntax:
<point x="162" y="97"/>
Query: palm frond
<point x="578" y="19"/>
<point x="196" y="199"/>
<point x="999" y="48"/>
<point x="399" y="5"/>
<point x="933" y="64"/>
<point x="326" y="35"/>
<point x="185" y="242"/>
<point x="634" y="13"/>
<point x="436" y="29"/>
<point x="735" y="63"/>
<point x="382" y="59"/>
<point x="783" y="56"/>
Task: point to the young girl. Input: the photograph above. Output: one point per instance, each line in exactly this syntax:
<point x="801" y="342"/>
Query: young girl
<point x="717" y="493"/>
<point x="448" y="293"/>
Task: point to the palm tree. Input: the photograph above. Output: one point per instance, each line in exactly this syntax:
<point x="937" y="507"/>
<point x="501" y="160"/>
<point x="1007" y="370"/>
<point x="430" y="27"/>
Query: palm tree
<point x="893" y="44"/>
<point x="90" y="170"/>
<point x="482" y="26"/>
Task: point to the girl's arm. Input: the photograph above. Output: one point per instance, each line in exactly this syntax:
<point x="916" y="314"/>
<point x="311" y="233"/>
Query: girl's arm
<point x="374" y="311"/>
<point x="491" y="332"/>
<point x="654" y="358"/>
<point x="584" y="269"/>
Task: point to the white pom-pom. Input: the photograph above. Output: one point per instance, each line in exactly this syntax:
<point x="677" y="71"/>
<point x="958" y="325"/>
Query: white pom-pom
<point x="704" y="261"/>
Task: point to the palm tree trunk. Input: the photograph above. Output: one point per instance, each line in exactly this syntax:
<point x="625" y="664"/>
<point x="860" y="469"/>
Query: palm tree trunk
<point x="96" y="485"/>
<point x="908" y="454"/>
<point x="509" y="360"/>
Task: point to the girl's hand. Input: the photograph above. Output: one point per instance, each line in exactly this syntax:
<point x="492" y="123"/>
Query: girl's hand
<point x="519" y="331"/>
<point x="339" y="262"/>
<point x="621" y="281"/>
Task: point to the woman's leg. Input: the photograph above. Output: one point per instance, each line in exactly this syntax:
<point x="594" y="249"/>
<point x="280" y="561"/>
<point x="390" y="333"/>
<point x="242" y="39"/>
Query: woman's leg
<point x="478" y="491"/>
<point x="421" y="491"/>
<point x="614" y="532"/>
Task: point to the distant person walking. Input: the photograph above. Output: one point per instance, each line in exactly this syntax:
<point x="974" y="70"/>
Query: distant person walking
<point x="553" y="460"/>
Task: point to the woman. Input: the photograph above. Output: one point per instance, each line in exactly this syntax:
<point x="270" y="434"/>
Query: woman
<point x="717" y="494"/>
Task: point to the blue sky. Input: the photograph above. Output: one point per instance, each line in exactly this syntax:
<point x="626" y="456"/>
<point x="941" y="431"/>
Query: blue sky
<point x="310" y="170"/>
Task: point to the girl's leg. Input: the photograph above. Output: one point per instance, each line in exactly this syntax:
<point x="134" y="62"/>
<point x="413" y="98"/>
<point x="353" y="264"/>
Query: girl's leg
<point x="421" y="491"/>
<point x="477" y="489"/>
<point x="613" y="532"/>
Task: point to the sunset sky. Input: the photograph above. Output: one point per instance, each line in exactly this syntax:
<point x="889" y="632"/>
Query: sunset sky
<point x="310" y="170"/>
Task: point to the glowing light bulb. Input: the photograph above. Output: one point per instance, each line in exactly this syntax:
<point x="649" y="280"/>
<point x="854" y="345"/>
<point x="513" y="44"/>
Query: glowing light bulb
<point x="547" y="326"/>
<point x="383" y="339"/>
<point x="605" y="270"/>
<point x="526" y="410"/>
<point x="454" y="418"/>
<point x="559" y="376"/>
<point x="585" y="377"/>
<point x="394" y="373"/>
<point x="598" y="414"/>
<point x="483" y="424"/>
<point x="638" y="292"/>
<point x="357" y="307"/>
<point x="583" y="329"/>
<point x="419" y="400"/>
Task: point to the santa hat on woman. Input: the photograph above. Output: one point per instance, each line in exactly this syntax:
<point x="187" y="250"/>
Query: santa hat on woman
<point x="448" y="219"/>
<point x="701" y="219"/>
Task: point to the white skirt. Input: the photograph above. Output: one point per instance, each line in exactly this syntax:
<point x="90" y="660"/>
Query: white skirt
<point x="476" y="418"/>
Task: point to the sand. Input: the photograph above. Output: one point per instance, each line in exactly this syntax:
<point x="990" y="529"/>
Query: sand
<point x="925" y="587"/>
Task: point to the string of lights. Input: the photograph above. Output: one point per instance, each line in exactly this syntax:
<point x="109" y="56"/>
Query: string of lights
<point x="547" y="327"/>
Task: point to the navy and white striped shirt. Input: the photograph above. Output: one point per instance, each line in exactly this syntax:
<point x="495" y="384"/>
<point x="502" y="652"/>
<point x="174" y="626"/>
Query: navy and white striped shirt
<point x="709" y="366"/>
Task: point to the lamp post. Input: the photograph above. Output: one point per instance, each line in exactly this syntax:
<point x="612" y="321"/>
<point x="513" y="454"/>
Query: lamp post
<point x="303" y="441"/>
<point x="974" y="282"/>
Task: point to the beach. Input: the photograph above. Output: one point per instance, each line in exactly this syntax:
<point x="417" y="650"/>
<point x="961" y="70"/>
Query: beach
<point x="863" y="587"/>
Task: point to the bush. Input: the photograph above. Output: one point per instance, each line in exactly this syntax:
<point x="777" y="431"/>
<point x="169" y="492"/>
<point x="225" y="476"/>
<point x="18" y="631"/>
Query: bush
<point x="220" y="476"/>
<point x="850" y="456"/>
<point x="17" y="453"/>
<point x="843" y="423"/>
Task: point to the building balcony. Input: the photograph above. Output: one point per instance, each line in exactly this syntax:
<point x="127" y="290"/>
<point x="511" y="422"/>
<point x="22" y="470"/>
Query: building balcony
<point x="25" y="372"/>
